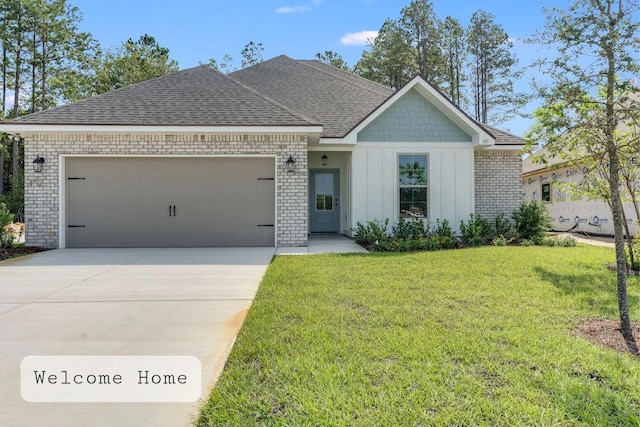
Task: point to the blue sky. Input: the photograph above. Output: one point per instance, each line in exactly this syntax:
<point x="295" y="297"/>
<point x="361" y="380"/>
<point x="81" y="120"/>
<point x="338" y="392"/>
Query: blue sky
<point x="196" y="30"/>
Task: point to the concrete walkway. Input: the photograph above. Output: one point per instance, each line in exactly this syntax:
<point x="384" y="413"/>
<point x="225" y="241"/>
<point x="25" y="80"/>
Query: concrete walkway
<point x="590" y="240"/>
<point x="151" y="302"/>
<point x="324" y="245"/>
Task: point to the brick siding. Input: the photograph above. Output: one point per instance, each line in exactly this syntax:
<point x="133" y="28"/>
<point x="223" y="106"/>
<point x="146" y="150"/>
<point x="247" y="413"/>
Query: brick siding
<point x="497" y="182"/>
<point x="42" y="190"/>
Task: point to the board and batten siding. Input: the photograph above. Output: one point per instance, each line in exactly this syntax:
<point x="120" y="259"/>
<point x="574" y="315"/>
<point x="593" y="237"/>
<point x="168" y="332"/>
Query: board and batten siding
<point x="412" y="125"/>
<point x="375" y="180"/>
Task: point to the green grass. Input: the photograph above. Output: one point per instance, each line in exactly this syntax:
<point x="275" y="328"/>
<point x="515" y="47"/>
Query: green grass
<point x="467" y="337"/>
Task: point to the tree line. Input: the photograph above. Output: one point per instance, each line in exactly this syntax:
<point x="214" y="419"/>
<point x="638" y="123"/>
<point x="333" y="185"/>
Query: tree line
<point x="474" y="65"/>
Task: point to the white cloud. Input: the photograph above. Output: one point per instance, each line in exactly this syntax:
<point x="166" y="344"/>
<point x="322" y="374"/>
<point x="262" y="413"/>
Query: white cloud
<point x="358" y="39"/>
<point x="297" y="9"/>
<point x="293" y="9"/>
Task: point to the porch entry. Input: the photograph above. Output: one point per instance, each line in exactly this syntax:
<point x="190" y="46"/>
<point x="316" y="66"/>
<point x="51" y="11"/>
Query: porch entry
<point x="324" y="200"/>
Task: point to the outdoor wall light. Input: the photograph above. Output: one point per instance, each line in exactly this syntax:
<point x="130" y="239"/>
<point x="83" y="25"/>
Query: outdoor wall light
<point x="38" y="164"/>
<point x="291" y="164"/>
<point x="324" y="159"/>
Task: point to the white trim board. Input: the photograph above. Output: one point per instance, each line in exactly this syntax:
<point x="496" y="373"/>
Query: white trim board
<point x="23" y="128"/>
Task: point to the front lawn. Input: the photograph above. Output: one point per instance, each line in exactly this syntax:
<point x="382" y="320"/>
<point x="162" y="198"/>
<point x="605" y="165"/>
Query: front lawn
<point x="468" y="337"/>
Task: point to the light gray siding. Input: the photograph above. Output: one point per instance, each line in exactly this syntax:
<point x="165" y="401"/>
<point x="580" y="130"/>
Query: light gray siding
<point x="413" y="119"/>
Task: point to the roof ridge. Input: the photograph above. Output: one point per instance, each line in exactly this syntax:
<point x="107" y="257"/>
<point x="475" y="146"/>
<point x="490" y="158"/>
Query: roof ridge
<point x="271" y="101"/>
<point x="302" y="62"/>
<point x="259" y="63"/>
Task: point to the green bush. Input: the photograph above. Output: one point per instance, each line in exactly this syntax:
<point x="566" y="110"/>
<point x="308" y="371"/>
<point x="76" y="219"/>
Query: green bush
<point x="14" y="199"/>
<point x="445" y="236"/>
<point x="502" y="226"/>
<point x="532" y="221"/>
<point x="476" y="231"/>
<point x="501" y="240"/>
<point x="556" y="241"/>
<point x="6" y="217"/>
<point x="373" y="233"/>
<point x="412" y="229"/>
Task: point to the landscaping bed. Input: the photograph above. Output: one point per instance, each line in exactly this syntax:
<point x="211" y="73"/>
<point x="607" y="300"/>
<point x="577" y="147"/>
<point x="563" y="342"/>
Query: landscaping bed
<point x="19" y="251"/>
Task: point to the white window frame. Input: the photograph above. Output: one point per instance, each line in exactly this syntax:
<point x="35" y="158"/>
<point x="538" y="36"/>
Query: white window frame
<point x="400" y="186"/>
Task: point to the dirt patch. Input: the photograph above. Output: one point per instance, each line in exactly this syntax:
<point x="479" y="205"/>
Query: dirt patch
<point x="16" y="252"/>
<point x="606" y="332"/>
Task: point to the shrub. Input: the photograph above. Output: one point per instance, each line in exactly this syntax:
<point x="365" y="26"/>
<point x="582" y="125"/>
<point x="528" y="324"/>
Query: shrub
<point x="532" y="221"/>
<point x="476" y="231"/>
<point x="555" y="241"/>
<point x="412" y="229"/>
<point x="431" y="243"/>
<point x="6" y="217"/>
<point x="527" y="243"/>
<point x="373" y="233"/>
<point x="501" y="241"/>
<point x="444" y="235"/>
<point x="503" y="227"/>
<point x="14" y="199"/>
<point x="401" y="245"/>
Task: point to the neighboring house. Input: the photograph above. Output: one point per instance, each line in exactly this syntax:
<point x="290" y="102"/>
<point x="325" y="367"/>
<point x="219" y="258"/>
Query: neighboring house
<point x="569" y="211"/>
<point x="199" y="158"/>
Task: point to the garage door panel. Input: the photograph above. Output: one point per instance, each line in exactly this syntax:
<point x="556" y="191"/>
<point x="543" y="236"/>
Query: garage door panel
<point x="163" y="202"/>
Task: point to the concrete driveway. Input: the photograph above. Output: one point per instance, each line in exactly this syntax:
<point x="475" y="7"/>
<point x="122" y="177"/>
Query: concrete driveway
<point x="151" y="302"/>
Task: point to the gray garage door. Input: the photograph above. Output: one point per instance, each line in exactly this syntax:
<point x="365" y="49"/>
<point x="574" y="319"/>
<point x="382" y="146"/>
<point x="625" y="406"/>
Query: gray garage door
<point x="169" y="202"/>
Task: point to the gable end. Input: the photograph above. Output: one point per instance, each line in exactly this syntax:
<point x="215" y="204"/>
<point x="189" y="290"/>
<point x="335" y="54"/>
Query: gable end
<point x="413" y="118"/>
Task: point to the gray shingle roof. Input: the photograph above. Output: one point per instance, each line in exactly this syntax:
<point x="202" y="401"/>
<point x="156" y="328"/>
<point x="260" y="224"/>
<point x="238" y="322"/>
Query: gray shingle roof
<point x="337" y="99"/>
<point x="280" y="91"/>
<point x="199" y="96"/>
<point x="502" y="137"/>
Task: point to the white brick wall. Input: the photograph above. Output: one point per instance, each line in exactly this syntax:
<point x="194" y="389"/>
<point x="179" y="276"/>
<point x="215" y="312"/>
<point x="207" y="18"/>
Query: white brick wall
<point x="497" y="182"/>
<point x="42" y="190"/>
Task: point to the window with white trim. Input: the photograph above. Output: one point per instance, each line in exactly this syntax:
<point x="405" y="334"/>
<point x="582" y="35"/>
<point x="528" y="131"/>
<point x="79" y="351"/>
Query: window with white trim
<point x="413" y="185"/>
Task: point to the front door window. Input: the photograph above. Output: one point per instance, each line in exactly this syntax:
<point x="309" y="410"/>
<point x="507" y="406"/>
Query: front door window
<point x="324" y="191"/>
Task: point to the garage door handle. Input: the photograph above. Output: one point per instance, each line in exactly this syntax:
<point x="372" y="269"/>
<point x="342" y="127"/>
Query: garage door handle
<point x="265" y="225"/>
<point x="170" y="210"/>
<point x="174" y="210"/>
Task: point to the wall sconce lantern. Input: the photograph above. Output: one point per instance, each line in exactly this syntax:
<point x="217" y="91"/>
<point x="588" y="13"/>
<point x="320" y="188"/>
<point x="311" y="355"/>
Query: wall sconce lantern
<point x="324" y="159"/>
<point x="38" y="164"/>
<point x="291" y="164"/>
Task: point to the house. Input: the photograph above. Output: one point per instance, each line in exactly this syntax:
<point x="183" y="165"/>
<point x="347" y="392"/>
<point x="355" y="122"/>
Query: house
<point x="261" y="157"/>
<point x="569" y="211"/>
